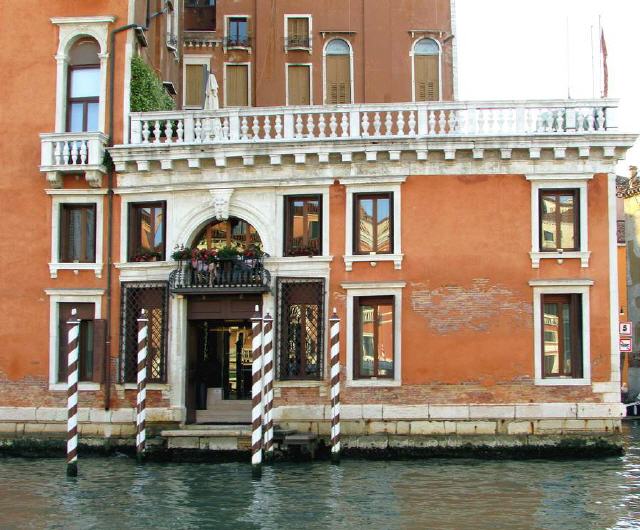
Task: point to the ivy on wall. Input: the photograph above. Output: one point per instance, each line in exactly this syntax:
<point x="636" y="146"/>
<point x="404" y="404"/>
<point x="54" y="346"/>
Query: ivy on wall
<point x="147" y="92"/>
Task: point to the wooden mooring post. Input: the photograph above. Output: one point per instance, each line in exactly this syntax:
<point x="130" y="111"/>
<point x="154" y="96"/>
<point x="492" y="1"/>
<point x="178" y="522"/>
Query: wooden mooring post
<point x="73" y="336"/>
<point x="256" y="394"/>
<point x="268" y="388"/>
<point x="334" y="326"/>
<point x="141" y="398"/>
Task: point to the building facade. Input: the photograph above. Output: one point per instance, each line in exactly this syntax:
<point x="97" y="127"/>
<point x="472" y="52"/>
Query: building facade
<point x="316" y="160"/>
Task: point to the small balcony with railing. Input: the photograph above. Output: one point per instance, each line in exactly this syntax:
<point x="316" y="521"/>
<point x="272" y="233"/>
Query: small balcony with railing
<point x="73" y="153"/>
<point x="372" y="132"/>
<point x="297" y="42"/>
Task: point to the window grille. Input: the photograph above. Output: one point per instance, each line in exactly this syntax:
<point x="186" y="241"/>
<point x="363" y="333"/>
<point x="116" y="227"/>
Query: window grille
<point x="154" y="297"/>
<point x="300" y="328"/>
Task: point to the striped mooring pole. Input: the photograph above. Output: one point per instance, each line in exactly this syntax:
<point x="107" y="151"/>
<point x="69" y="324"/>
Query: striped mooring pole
<point x="268" y="388"/>
<point x="141" y="400"/>
<point x="256" y="394"/>
<point x="334" y="324"/>
<point x="72" y="393"/>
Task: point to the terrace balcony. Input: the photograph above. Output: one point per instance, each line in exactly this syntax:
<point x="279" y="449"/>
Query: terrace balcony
<point x="73" y="153"/>
<point x="371" y="132"/>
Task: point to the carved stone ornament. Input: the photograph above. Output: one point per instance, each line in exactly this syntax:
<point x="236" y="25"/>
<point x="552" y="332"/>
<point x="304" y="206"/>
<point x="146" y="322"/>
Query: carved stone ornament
<point x="219" y="200"/>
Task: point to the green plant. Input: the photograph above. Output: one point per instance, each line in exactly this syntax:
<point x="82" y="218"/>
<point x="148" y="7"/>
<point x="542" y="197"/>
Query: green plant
<point x="147" y="92"/>
<point x="228" y="252"/>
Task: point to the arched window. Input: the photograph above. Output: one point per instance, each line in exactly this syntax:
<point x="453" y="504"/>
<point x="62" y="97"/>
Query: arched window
<point x="426" y="70"/>
<point x="232" y="232"/>
<point x="337" y="69"/>
<point x="83" y="86"/>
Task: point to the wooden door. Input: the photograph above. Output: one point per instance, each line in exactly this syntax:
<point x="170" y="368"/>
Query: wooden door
<point x="427" y="78"/>
<point x="338" y="89"/>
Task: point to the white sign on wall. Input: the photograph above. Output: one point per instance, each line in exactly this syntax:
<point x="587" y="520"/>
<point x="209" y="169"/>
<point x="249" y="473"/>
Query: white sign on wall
<point x="625" y="345"/>
<point x="626" y="329"/>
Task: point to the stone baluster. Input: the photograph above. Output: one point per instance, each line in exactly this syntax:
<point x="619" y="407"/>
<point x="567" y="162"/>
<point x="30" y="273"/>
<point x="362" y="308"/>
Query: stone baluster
<point x="365" y="124"/>
<point x="500" y="119"/>
<point x="432" y="122"/>
<point x="509" y="120"/>
<point x="83" y="152"/>
<point x="559" y="126"/>
<point x="255" y="129"/>
<point x="244" y="129"/>
<point x="321" y="126"/>
<point x="400" y="123"/>
<point x="168" y="132"/>
<point x="452" y="126"/>
<point x="198" y="131"/>
<point x="180" y="132"/>
<point x="74" y="152"/>
<point x="145" y="132"/>
<point x="461" y="118"/>
<point x="225" y="129"/>
<point x="310" y="126"/>
<point x="207" y="130"/>
<point x="57" y="153"/>
<point x="344" y="125"/>
<point x="412" y="123"/>
<point x="590" y="120"/>
<point x="388" y="124"/>
<point x="299" y="126"/>
<point x="441" y="123"/>
<point x="278" y="127"/>
<point x="579" y="120"/>
<point x="376" y="124"/>
<point x="490" y="120"/>
<point x="333" y="125"/>
<point x="65" y="153"/>
<point x="601" y="119"/>
<point x="156" y="132"/>
<point x="267" y="127"/>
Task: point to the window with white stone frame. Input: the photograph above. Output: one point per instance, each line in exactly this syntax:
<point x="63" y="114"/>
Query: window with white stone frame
<point x="85" y="251"/>
<point x="559" y="220"/>
<point x="354" y="249"/>
<point x="373" y="331"/>
<point x="561" y="327"/>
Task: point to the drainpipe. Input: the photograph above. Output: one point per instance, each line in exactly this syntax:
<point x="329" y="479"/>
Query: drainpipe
<point x="110" y="103"/>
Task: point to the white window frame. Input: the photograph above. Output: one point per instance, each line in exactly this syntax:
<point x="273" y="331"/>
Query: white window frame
<point x="286" y="33"/>
<point x="280" y="216"/>
<point x="324" y="69"/>
<point x="542" y="287"/>
<point x="396" y="257"/>
<point x="70" y="30"/>
<point x="204" y="60"/>
<point x="249" y="82"/>
<point x="412" y="55"/>
<point x="286" y="81"/>
<point x="226" y="32"/>
<point x="358" y="289"/>
<point x="551" y="182"/>
<point x="173" y="26"/>
<point x="83" y="196"/>
<point x="56" y="297"/>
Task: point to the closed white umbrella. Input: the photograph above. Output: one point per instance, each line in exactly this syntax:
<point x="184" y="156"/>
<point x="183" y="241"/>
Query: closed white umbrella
<point x="211" y="101"/>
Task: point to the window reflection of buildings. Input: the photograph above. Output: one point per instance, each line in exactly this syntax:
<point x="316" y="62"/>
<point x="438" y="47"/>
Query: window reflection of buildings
<point x="306" y="225"/>
<point x="151" y="230"/>
<point x="367" y="227"/>
<point x="384" y="325"/>
<point x="549" y="222"/>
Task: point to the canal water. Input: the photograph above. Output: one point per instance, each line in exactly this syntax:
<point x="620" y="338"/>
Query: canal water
<point x="435" y="494"/>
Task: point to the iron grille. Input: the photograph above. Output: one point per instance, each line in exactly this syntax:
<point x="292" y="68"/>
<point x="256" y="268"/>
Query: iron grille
<point x="300" y="328"/>
<point x="154" y="297"/>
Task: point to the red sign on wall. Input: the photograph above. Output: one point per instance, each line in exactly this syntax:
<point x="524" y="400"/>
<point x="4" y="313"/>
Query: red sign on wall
<point x="625" y="345"/>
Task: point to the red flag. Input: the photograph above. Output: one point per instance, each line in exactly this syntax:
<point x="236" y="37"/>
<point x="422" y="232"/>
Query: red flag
<point x="605" y="68"/>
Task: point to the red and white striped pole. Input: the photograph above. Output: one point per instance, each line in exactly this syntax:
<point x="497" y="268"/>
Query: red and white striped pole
<point x="334" y="340"/>
<point x="72" y="393"/>
<point x="268" y="387"/>
<point x="256" y="394"/>
<point x="141" y="400"/>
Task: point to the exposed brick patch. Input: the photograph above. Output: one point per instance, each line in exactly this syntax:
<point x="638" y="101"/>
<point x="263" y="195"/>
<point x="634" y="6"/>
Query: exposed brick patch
<point x="452" y="308"/>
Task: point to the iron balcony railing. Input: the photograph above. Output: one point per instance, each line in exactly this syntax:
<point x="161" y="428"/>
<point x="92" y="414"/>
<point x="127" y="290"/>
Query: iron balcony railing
<point x="237" y="41"/>
<point x="297" y="42"/>
<point x="239" y="274"/>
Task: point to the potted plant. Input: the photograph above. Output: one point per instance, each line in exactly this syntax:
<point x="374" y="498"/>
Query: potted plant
<point x="228" y="252"/>
<point x="147" y="256"/>
<point x="181" y="253"/>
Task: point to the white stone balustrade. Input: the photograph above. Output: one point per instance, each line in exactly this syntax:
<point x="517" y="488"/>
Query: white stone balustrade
<point x="367" y="121"/>
<point x="73" y="153"/>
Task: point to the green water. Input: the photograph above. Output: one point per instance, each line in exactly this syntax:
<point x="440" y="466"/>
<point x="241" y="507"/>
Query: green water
<point x="439" y="494"/>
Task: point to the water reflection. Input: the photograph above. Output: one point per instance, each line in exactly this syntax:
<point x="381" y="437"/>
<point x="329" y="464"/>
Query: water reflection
<point x="439" y="494"/>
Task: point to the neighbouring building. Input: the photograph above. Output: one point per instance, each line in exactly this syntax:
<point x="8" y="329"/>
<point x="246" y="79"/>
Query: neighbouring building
<point x="316" y="158"/>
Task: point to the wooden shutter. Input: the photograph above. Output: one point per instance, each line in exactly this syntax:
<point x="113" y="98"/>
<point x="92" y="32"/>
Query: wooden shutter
<point x="298" y="31"/>
<point x="195" y="83"/>
<point x="338" y="79"/>
<point x="427" y="77"/>
<point x="299" y="85"/>
<point x="86" y="311"/>
<point x="237" y="85"/>
<point x="99" y="349"/>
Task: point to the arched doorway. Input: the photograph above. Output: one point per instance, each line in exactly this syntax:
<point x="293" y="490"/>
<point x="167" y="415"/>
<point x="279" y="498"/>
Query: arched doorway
<point x="232" y="232"/>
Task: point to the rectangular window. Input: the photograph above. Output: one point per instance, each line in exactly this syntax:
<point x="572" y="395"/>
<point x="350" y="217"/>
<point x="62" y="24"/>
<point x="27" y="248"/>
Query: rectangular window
<point x="238" y="32"/>
<point x="237" y="85"/>
<point x="373" y="223"/>
<point x="78" y="233"/>
<point x="374" y="341"/>
<point x="83" y="100"/>
<point x="300" y="328"/>
<point x="298" y="33"/>
<point x="298" y="84"/>
<point x="559" y="220"/>
<point x="147" y="231"/>
<point x="195" y="84"/>
<point x="303" y="225"/>
<point x="562" y="335"/>
<point x="91" y="342"/>
<point x="154" y="299"/>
